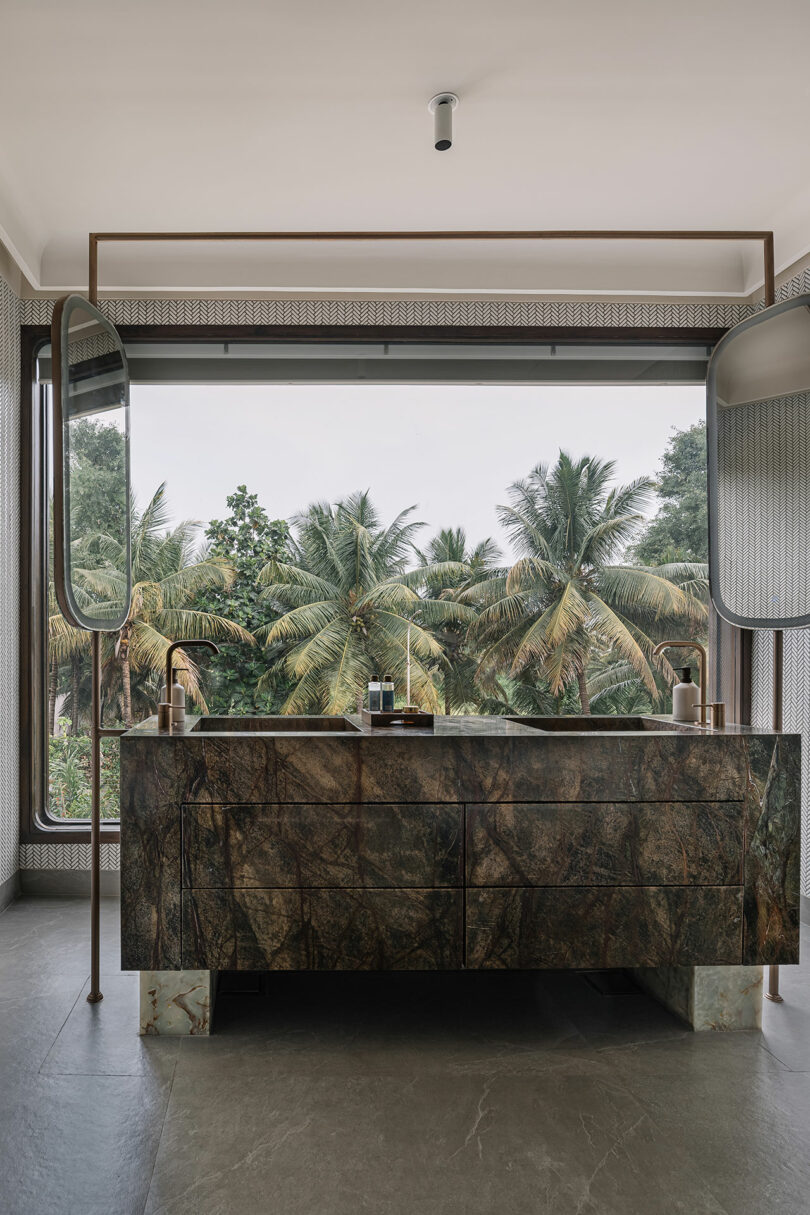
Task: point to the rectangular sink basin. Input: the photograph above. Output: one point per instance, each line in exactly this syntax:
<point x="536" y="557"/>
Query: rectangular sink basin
<point x="594" y="725"/>
<point x="275" y="725"/>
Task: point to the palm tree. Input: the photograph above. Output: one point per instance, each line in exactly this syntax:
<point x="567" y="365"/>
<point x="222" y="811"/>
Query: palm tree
<point x="347" y="601"/>
<point x="448" y="550"/>
<point x="614" y="687"/>
<point x="569" y="595"/>
<point x="167" y="574"/>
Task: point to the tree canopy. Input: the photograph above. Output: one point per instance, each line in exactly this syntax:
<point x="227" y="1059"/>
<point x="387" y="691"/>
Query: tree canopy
<point x="680" y="530"/>
<point x="570" y="593"/>
<point x="248" y="540"/>
<point x="348" y="601"/>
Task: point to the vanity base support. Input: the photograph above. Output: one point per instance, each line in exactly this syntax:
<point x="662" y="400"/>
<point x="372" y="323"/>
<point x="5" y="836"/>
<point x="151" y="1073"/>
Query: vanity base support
<point x="177" y="1002"/>
<point x="708" y="997"/>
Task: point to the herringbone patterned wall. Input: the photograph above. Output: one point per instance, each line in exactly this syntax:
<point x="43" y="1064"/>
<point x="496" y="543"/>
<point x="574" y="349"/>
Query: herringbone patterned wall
<point x="592" y="313"/>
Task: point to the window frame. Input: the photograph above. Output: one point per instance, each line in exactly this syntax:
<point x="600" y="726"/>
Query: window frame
<point x="37" y="825"/>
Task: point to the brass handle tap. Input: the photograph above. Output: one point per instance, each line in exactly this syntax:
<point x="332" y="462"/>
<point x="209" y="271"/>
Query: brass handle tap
<point x="718" y="712"/>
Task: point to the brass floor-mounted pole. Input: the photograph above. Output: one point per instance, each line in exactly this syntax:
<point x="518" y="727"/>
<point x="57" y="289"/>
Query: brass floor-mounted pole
<point x="95" y="823"/>
<point x="778" y="685"/>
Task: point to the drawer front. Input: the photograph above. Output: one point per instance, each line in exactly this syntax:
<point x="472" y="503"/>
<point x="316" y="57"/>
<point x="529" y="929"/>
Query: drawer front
<point x="605" y="844"/>
<point x="322" y="846"/>
<point x="322" y="929"/>
<point x="603" y="927"/>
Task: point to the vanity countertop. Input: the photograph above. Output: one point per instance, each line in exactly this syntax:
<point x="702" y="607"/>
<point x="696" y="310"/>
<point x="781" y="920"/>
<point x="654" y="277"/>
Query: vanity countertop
<point x="456" y="726"/>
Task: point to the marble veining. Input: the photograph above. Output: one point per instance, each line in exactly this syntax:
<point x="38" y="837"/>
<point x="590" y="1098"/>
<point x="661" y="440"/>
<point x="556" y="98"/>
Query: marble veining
<point x="322" y="846"/>
<point x="605" y="844"/>
<point x="605" y="927"/>
<point x="773" y="849"/>
<point x="708" y="997"/>
<point x="664" y="847"/>
<point x="176" y="1002"/>
<point x="323" y="929"/>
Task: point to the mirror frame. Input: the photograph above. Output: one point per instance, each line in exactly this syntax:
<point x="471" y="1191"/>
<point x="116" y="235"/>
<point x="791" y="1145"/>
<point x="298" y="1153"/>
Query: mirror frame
<point x="61" y="540"/>
<point x="712" y="419"/>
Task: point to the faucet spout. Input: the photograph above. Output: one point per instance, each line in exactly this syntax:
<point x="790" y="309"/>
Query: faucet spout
<point x="184" y="645"/>
<point x="704" y="666"/>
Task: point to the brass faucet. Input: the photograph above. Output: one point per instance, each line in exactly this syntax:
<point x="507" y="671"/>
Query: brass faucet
<point x="165" y="707"/>
<point x="704" y="677"/>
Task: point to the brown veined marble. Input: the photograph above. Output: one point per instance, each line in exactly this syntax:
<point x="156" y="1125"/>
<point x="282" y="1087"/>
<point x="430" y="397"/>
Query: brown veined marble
<point x="605" y="844"/>
<point x="773" y="849"/>
<point x="322" y="846"/>
<point x="472" y="762"/>
<point x="322" y="929"/>
<point x="603" y="927"/>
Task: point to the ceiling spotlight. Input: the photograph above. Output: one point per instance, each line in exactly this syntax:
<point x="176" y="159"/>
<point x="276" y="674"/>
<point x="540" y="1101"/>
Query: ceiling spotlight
<point x="441" y="107"/>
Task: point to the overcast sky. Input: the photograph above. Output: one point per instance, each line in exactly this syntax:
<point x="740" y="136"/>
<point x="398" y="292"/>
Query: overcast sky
<point x="450" y="450"/>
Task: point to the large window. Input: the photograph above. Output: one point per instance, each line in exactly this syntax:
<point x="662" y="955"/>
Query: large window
<point x="533" y="517"/>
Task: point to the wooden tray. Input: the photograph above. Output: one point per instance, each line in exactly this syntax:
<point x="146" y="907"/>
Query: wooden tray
<point x="401" y="718"/>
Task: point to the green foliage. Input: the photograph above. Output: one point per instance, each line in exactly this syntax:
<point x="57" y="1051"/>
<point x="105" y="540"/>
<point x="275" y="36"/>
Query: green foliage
<point x="168" y="573"/>
<point x="460" y="568"/>
<point x="347" y="605"/>
<point x="680" y="530"/>
<point x="249" y="540"/>
<point x="69" y="775"/>
<point x="569" y="594"/>
<point x="97" y="457"/>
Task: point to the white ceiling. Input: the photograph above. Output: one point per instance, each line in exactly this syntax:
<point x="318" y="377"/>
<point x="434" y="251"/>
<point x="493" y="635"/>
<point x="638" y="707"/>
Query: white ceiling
<point x="268" y="114"/>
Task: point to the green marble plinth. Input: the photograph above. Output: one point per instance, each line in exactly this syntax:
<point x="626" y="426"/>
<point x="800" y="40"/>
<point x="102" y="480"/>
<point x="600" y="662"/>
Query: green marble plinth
<point x="176" y="1003"/>
<point x="708" y="997"/>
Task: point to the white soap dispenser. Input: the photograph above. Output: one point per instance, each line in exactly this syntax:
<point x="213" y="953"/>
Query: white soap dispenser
<point x="685" y="698"/>
<point x="178" y="698"/>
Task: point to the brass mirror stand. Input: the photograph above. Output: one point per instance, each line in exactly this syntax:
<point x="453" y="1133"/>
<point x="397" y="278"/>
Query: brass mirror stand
<point x="91" y="387"/>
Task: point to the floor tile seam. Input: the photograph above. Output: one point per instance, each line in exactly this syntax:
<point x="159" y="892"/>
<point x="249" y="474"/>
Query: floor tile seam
<point x="84" y="983"/>
<point x="690" y="1163"/>
<point x="97" y="1075"/>
<point x="794" y="1071"/>
<point x="160" y="1136"/>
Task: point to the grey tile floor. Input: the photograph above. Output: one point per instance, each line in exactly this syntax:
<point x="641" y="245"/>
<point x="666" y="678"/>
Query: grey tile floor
<point x="392" y="1094"/>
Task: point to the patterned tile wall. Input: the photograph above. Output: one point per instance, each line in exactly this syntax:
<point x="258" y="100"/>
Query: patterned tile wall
<point x="9" y="576"/>
<point x="66" y="856"/>
<point x="592" y="313"/>
<point x="191" y="311"/>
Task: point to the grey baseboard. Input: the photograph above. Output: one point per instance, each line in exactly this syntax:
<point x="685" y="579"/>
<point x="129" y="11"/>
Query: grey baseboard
<point x="62" y="883"/>
<point x="804" y="909"/>
<point x="9" y="890"/>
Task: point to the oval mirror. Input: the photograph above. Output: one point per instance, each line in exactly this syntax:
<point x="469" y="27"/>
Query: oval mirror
<point x="91" y="508"/>
<point x="758" y="435"/>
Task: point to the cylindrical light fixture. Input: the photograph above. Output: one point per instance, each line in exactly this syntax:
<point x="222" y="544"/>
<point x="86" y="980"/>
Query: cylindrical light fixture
<point x="441" y="107"/>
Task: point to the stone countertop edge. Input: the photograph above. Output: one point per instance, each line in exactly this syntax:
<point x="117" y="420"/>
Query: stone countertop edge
<point x="454" y="727"/>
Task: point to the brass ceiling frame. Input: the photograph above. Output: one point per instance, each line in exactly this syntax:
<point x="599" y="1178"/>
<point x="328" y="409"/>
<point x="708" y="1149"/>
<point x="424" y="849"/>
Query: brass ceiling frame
<point x="766" y="238"/>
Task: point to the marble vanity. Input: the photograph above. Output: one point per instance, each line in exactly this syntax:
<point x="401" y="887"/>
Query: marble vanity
<point x="488" y="843"/>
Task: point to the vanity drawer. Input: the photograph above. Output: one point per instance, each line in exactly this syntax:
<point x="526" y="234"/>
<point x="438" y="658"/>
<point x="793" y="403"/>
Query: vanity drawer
<point x="563" y="928"/>
<point x="605" y="844"/>
<point x="322" y="929"/>
<point x="320" y="846"/>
